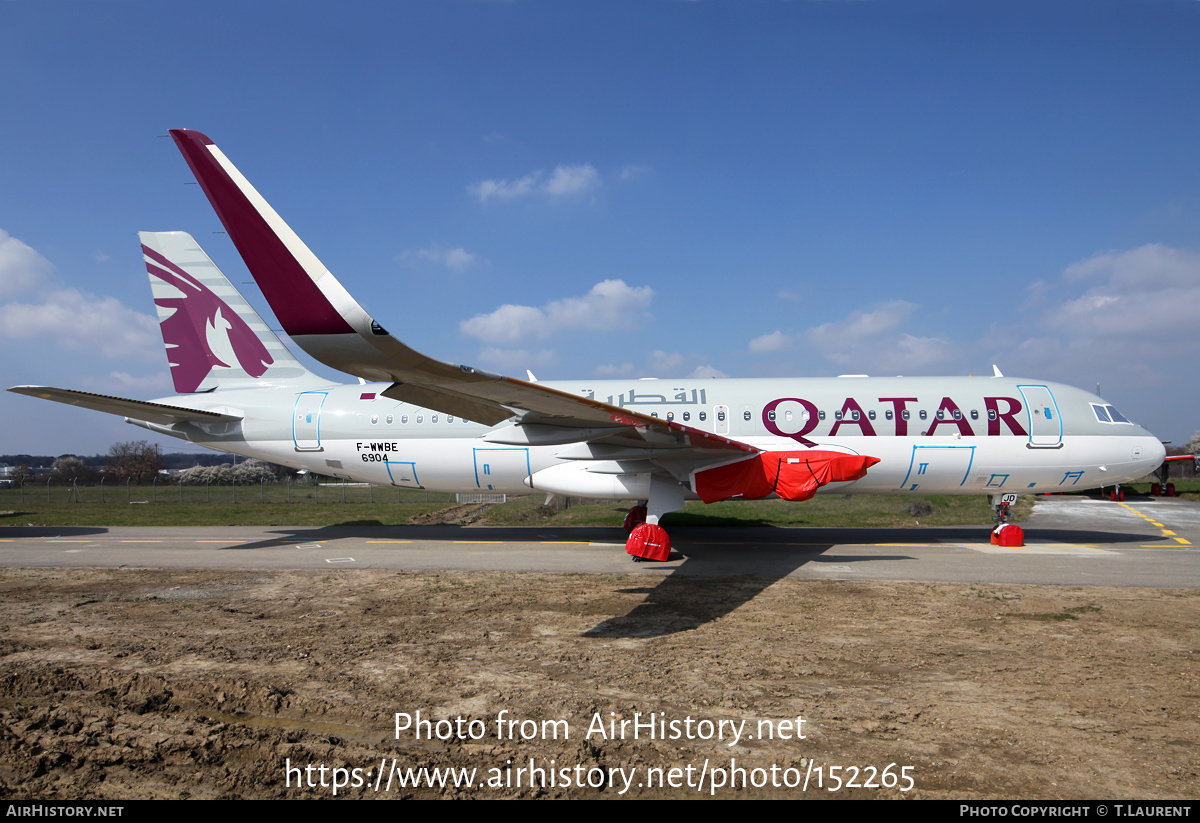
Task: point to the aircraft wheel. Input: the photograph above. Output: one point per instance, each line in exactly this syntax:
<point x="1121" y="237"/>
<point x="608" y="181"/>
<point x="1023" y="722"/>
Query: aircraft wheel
<point x="635" y="517"/>
<point x="1156" y="489"/>
<point x="1171" y="490"/>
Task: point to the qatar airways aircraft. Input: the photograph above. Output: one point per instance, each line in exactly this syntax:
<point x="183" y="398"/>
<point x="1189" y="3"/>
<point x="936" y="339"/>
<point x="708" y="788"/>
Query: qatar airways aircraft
<point x="416" y="422"/>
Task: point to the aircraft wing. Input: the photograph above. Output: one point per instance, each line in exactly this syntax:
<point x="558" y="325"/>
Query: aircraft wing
<point x="324" y="320"/>
<point x="134" y="409"/>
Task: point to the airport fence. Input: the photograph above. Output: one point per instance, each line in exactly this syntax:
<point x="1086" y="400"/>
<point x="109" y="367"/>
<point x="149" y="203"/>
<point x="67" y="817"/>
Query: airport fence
<point x="167" y="490"/>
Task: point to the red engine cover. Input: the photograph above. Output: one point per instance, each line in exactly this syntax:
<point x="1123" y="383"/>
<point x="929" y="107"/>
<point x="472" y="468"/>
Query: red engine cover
<point x="793" y="475"/>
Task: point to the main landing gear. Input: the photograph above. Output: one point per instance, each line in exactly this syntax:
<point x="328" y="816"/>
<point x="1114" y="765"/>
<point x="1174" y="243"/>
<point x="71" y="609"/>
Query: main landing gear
<point x="1163" y="488"/>
<point x="1005" y="533"/>
<point x="648" y="540"/>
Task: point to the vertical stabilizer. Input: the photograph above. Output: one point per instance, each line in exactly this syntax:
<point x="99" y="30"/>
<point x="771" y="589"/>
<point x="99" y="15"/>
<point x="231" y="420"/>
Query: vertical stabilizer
<point x="214" y="339"/>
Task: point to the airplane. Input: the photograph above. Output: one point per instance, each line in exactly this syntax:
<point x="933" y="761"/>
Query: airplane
<point x="417" y="422"/>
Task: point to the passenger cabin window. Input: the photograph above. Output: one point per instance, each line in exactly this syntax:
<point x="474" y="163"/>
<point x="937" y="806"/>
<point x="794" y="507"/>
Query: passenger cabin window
<point x="721" y="416"/>
<point x="374" y="419"/>
<point x="992" y="414"/>
<point x="420" y="418"/>
<point x="389" y="420"/>
<point x="974" y="414"/>
<point x="670" y="415"/>
<point x="906" y="414"/>
<point x="687" y="416"/>
<point x="746" y="415"/>
<point x="871" y="414"/>
<point x="888" y="414"/>
<point x="433" y="419"/>
<point x="703" y="416"/>
<point x="855" y="414"/>
<point x="837" y="415"/>
<point x="957" y="414"/>
<point x="923" y="414"/>
<point x="821" y="415"/>
<point x="771" y="414"/>
<point x="941" y="414"/>
<point x="404" y="419"/>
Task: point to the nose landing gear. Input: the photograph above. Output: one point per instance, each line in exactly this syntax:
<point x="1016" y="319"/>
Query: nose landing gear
<point x="1005" y="533"/>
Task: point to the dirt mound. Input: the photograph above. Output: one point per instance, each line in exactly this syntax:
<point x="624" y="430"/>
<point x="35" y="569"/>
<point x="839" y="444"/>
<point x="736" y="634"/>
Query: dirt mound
<point x="463" y="514"/>
<point x="129" y="684"/>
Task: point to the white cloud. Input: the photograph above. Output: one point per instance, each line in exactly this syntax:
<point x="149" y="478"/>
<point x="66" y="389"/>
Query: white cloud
<point x="564" y="181"/>
<point x="611" y="304"/>
<point x="867" y="340"/>
<point x="572" y="180"/>
<point x="1151" y="293"/>
<point x="512" y="360"/>
<point x="632" y="172"/>
<point x="123" y="383"/>
<point x="614" y="371"/>
<point x="706" y="372"/>
<point x="663" y="363"/>
<point x="770" y="342"/>
<point x="1151" y="267"/>
<point x="84" y="322"/>
<point x="455" y="258"/>
<point x="20" y="266"/>
<point x="485" y="190"/>
<point x="871" y="341"/>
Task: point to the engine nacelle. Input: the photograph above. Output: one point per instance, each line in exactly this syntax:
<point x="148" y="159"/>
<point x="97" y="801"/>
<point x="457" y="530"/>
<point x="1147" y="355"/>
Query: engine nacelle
<point x="574" y="480"/>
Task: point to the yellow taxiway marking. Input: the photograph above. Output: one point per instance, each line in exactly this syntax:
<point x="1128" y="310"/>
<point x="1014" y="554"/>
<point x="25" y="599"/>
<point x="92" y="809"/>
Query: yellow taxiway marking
<point x="220" y="541"/>
<point x="68" y="541"/>
<point x="134" y="541"/>
<point x="478" y="541"/>
<point x="389" y="541"/>
<point x="1166" y="532"/>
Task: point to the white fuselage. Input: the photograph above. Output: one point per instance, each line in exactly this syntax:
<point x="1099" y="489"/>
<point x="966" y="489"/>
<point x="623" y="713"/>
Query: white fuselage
<point x="956" y="435"/>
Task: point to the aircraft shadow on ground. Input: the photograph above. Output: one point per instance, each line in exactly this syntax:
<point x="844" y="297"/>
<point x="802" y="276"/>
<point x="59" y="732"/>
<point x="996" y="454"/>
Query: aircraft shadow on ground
<point x="721" y="570"/>
<point x="49" y="531"/>
<point x="708" y="585"/>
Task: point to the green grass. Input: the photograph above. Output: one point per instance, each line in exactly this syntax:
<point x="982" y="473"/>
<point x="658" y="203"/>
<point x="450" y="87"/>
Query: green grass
<point x="323" y="506"/>
<point x="217" y="506"/>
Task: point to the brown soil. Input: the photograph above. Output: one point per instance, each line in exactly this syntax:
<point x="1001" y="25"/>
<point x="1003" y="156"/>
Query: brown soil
<point x="132" y="684"/>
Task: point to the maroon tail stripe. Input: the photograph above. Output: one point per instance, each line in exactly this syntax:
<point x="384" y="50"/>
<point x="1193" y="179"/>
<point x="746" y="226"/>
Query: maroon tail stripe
<point x="293" y="296"/>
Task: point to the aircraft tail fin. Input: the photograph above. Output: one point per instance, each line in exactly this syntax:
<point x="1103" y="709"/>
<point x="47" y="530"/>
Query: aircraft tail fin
<point x="214" y="339"/>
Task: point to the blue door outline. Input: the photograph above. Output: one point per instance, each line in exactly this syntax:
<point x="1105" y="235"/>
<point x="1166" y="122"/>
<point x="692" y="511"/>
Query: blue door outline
<point x="306" y="421"/>
<point x="402" y="473"/>
<point x="923" y="458"/>
<point x="1040" y="408"/>
<point x="484" y="469"/>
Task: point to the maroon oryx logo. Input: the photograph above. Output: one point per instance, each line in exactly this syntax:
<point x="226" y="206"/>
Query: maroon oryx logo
<point x="200" y="323"/>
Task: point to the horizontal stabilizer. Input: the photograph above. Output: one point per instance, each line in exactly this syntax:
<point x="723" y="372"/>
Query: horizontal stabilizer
<point x="159" y="413"/>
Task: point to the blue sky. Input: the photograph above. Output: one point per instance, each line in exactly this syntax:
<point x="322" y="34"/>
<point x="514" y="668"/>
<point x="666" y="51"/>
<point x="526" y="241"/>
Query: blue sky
<point x="647" y="188"/>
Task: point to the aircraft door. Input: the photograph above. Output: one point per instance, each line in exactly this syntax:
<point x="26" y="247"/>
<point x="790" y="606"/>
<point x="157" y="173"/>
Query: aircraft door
<point x="1045" y="424"/>
<point x="937" y="469"/>
<point x="306" y="421"/>
<point x="721" y="419"/>
<point x="501" y="468"/>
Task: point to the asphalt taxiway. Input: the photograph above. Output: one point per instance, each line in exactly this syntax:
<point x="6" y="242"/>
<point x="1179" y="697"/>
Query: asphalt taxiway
<point x="1069" y="540"/>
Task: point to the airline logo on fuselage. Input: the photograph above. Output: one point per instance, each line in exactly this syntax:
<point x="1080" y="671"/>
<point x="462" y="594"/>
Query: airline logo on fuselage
<point x="796" y="417"/>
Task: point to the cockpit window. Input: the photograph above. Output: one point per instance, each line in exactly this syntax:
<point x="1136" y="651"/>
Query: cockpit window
<point x="1108" y="414"/>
